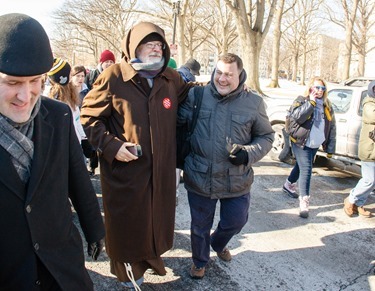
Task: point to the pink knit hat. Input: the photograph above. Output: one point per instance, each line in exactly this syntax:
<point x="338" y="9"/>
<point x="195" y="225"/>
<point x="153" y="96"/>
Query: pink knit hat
<point x="107" y="55"/>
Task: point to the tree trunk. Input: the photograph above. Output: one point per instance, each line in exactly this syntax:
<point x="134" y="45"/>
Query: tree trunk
<point x="295" y="67"/>
<point x="181" y="52"/>
<point x="361" y="65"/>
<point x="250" y="60"/>
<point x="304" y="56"/>
<point x="276" y="47"/>
<point x="348" y="40"/>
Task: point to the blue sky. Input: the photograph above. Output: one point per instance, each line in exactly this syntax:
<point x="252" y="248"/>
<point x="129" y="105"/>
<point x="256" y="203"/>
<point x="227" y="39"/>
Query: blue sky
<point x="41" y="10"/>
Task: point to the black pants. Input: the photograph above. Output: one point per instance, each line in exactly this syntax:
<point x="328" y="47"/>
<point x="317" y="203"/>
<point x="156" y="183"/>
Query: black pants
<point x="94" y="161"/>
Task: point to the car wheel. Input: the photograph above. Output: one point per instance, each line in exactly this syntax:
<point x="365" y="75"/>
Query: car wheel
<point x="280" y="150"/>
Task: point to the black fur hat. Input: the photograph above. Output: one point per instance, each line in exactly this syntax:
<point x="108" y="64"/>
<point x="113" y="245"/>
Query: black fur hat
<point x="25" y="49"/>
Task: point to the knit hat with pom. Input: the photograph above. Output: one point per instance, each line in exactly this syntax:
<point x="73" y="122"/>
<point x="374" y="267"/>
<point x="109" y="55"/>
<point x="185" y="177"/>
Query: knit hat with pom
<point x="60" y="72"/>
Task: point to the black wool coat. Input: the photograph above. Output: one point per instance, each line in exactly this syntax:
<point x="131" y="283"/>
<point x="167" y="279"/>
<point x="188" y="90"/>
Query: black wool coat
<point x="36" y="219"/>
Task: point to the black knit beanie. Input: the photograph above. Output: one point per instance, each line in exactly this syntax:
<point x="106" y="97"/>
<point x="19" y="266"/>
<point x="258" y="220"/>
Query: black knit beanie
<point x="152" y="37"/>
<point x="60" y="72"/>
<point x="24" y="46"/>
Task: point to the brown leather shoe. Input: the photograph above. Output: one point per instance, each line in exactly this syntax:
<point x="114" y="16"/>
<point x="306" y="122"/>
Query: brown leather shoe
<point x="225" y="255"/>
<point x="349" y="208"/>
<point x="197" y="273"/>
<point x="363" y="212"/>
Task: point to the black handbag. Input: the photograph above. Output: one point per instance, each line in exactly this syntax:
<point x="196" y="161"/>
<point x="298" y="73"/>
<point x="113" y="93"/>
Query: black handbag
<point x="184" y="132"/>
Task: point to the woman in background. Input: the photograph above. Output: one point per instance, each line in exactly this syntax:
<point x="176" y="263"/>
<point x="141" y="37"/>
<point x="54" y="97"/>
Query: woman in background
<point x="61" y="89"/>
<point x="311" y="124"/>
<point x="78" y="75"/>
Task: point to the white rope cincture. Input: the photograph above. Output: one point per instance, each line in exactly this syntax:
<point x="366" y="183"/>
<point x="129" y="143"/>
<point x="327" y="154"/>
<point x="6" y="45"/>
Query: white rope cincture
<point x="130" y="274"/>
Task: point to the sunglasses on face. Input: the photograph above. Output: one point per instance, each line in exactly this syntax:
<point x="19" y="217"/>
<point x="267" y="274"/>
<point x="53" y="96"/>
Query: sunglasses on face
<point x="323" y="88"/>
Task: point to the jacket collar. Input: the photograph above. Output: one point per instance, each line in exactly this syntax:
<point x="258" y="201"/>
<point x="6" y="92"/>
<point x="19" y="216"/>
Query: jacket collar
<point x="9" y="176"/>
<point x="43" y="137"/>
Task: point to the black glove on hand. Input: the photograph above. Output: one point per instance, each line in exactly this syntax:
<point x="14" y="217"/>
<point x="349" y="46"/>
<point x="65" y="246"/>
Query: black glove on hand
<point x="94" y="249"/>
<point x="88" y="149"/>
<point x="238" y="155"/>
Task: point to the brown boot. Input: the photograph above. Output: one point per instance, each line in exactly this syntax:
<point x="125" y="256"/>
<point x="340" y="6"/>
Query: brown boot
<point x="363" y="212"/>
<point x="349" y="208"/>
<point x="225" y="255"/>
<point x="197" y="273"/>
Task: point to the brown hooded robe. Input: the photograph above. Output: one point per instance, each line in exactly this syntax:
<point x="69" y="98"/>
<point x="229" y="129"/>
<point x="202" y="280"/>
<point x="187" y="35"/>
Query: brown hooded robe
<point x="139" y="196"/>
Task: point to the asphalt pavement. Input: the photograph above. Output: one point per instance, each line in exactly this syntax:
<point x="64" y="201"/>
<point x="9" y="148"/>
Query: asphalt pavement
<point x="276" y="250"/>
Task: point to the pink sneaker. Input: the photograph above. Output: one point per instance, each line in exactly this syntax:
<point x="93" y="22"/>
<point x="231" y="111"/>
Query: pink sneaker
<point x="290" y="189"/>
<point x="304" y="206"/>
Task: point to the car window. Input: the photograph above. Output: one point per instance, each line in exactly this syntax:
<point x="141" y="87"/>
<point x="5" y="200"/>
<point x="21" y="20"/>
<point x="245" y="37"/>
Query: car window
<point x="360" y="108"/>
<point x="340" y="99"/>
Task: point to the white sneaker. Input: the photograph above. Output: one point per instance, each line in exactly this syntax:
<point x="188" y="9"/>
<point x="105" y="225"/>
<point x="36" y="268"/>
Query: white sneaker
<point x="290" y="189"/>
<point x="304" y="206"/>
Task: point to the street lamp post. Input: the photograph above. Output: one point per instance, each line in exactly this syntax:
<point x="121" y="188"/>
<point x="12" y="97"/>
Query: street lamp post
<point x="176" y="11"/>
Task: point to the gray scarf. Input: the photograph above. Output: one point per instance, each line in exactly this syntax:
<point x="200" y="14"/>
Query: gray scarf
<point x="147" y="70"/>
<point x="15" y="138"/>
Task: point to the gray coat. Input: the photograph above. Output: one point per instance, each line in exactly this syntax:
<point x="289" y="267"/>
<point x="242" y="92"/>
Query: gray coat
<point x="239" y="117"/>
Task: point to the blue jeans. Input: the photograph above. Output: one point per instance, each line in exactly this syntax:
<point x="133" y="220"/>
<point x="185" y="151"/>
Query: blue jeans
<point x="234" y="214"/>
<point x="365" y="185"/>
<point x="303" y="168"/>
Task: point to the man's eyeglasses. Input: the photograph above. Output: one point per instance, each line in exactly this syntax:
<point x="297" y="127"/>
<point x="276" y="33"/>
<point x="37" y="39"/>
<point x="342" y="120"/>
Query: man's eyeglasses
<point x="323" y="88"/>
<point x="151" y="45"/>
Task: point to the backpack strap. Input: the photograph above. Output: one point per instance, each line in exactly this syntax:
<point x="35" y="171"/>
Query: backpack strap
<point x="198" y="96"/>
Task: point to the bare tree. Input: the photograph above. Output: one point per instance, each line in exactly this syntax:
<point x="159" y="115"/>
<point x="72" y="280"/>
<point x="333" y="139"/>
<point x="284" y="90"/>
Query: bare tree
<point x="292" y="37"/>
<point x="349" y="10"/>
<point x="277" y="32"/>
<point x="93" y="25"/>
<point x="364" y="23"/>
<point x="252" y="27"/>
<point x="219" y="25"/>
<point x="308" y="27"/>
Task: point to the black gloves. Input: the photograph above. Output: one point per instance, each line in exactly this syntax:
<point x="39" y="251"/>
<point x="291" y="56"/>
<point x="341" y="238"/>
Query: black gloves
<point x="238" y="155"/>
<point x="87" y="148"/>
<point x="95" y="248"/>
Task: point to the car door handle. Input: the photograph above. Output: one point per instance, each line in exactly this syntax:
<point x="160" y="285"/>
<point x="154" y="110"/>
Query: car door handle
<point x="342" y="120"/>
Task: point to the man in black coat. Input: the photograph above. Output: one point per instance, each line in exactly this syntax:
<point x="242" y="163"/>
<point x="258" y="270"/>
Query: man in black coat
<point x="42" y="172"/>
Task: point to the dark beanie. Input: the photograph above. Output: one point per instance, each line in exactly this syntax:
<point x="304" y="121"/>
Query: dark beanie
<point x="107" y="55"/>
<point x="194" y="66"/>
<point x="24" y="46"/>
<point x="60" y="72"/>
<point x="152" y="37"/>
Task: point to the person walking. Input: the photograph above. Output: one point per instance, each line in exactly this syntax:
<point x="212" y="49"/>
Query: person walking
<point x="231" y="134"/>
<point x="189" y="70"/>
<point x="311" y="124"/>
<point x="78" y="75"/>
<point x="63" y="90"/>
<point x="42" y="173"/>
<point x="107" y="59"/>
<point x="134" y="105"/>
<point x="187" y="73"/>
<point x="354" y="203"/>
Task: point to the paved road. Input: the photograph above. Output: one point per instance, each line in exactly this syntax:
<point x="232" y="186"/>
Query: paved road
<point x="276" y="250"/>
